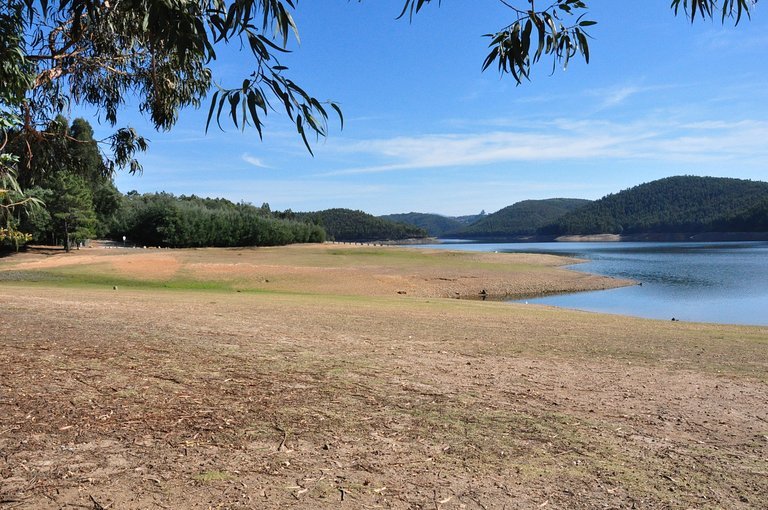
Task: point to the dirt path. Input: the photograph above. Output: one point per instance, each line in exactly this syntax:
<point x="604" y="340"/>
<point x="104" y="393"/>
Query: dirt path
<point x="152" y="398"/>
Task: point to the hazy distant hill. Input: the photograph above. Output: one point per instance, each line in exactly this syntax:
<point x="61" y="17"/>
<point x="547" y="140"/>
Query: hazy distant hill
<point x="349" y="225"/>
<point x="674" y="204"/>
<point x="520" y="219"/>
<point x="435" y="224"/>
<point x="470" y="218"/>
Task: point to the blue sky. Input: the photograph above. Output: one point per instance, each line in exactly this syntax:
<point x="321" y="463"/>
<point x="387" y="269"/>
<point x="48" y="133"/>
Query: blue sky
<point x="427" y="131"/>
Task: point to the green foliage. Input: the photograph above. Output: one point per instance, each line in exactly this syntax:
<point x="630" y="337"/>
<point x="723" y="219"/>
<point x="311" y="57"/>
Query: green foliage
<point x="349" y="225"/>
<point x="161" y="219"/>
<point x="70" y="206"/>
<point x="59" y="147"/>
<point x="159" y="52"/>
<point x="13" y="200"/>
<point x="733" y="9"/>
<point x="62" y="161"/>
<point x="520" y="219"/>
<point x="675" y="204"/>
<point x="16" y="72"/>
<point x="435" y="224"/>
<point x="559" y="31"/>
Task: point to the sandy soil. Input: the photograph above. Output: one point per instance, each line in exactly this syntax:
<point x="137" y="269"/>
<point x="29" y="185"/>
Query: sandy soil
<point x="292" y="395"/>
<point x="333" y="269"/>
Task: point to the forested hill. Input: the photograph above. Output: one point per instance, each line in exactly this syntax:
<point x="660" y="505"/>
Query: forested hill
<point x="520" y="219"/>
<point x="435" y="224"/>
<point x="674" y="204"/>
<point x="349" y="225"/>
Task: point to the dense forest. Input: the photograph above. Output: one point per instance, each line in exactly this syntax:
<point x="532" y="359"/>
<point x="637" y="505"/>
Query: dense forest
<point x="65" y="172"/>
<point x="521" y="219"/>
<point x="753" y="219"/>
<point x="674" y="204"/>
<point x="349" y="225"/>
<point x="161" y="219"/>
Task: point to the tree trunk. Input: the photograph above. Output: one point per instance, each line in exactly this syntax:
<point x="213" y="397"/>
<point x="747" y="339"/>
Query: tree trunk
<point x="66" y="234"/>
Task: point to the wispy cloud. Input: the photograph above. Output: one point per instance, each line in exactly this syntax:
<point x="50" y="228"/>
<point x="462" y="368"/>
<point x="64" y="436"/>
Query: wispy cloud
<point x="610" y="97"/>
<point x="616" y="96"/>
<point x="254" y="161"/>
<point x="566" y="140"/>
<point x="722" y="40"/>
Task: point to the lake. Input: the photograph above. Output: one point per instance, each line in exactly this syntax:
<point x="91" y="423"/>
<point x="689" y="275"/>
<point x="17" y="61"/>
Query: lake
<point x="704" y="282"/>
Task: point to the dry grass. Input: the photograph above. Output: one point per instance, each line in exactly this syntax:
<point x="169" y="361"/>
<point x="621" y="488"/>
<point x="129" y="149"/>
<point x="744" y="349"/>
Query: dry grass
<point x="293" y="395"/>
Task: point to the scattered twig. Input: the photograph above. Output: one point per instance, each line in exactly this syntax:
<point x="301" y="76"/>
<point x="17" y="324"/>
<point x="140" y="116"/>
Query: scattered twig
<point x="11" y="429"/>
<point x="97" y="505"/>
<point x="168" y="378"/>
<point x="281" y="446"/>
<point x="153" y="479"/>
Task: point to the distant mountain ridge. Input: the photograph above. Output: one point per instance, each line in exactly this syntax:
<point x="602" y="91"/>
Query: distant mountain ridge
<point x="520" y="219"/>
<point x="436" y="225"/>
<point x="671" y="205"/>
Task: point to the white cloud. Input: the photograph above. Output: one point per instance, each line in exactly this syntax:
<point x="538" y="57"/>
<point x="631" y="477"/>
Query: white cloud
<point x="254" y="161"/>
<point x="566" y="140"/>
<point x="616" y="96"/>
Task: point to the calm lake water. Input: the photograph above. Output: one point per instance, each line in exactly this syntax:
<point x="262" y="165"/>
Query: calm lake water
<point x="704" y="282"/>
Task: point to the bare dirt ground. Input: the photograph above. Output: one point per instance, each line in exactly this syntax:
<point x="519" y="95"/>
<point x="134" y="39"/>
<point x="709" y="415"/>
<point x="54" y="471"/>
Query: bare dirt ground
<point x="303" y="393"/>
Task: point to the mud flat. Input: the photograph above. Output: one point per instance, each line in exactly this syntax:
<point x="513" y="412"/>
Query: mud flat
<point x="332" y="377"/>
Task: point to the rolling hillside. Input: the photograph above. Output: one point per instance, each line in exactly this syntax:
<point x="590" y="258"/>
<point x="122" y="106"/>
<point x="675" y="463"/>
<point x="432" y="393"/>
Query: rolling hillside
<point x="520" y="219"/>
<point x="674" y="204"/>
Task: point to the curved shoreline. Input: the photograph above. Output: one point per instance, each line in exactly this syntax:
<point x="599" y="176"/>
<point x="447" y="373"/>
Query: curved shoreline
<point x="317" y="269"/>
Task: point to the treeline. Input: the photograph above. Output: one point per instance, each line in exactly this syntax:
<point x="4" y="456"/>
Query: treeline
<point x="64" y="170"/>
<point x="672" y="205"/>
<point x="349" y="225"/>
<point x="162" y="219"/>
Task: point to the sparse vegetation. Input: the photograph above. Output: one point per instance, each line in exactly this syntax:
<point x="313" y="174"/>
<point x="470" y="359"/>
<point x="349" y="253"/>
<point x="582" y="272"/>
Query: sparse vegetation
<point x="334" y="386"/>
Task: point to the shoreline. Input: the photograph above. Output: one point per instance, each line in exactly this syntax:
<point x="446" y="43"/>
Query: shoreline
<point x="315" y="269"/>
<point x="674" y="237"/>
